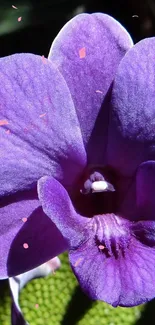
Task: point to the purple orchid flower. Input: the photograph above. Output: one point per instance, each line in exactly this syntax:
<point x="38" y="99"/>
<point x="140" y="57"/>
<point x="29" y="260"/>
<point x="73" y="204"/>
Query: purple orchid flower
<point x="81" y="124"/>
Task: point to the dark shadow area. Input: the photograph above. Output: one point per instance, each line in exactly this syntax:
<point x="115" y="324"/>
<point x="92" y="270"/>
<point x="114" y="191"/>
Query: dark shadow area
<point x="41" y="21"/>
<point x="148" y="315"/>
<point x="4" y="290"/>
<point x="137" y="16"/>
<point x="4" y="294"/>
<point x="77" y="307"/>
<point x="41" y="235"/>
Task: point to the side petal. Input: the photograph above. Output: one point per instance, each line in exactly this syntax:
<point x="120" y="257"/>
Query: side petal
<point x="126" y="193"/>
<point x="144" y="231"/>
<point x="39" y="129"/>
<point x="17" y="283"/>
<point x="145" y="190"/>
<point x="58" y="207"/>
<point x="126" y="281"/>
<point x="28" y="238"/>
<point x="87" y="51"/>
<point x="131" y="138"/>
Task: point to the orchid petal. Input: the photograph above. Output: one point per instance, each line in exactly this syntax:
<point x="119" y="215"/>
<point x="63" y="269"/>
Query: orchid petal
<point x="144" y="231"/>
<point x="126" y="281"/>
<point x="58" y="207"/>
<point x="87" y="51"/>
<point x="108" y="257"/>
<point x="39" y="129"/>
<point x="126" y="193"/>
<point x="27" y="236"/>
<point x="145" y="188"/>
<point x="131" y="138"/>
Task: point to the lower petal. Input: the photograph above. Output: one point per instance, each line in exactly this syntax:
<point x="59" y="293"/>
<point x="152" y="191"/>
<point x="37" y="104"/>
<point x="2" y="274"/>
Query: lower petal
<point x="18" y="282"/>
<point x="126" y="281"/>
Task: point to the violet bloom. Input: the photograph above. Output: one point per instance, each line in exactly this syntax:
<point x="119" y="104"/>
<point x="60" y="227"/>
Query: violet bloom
<point x="81" y="124"/>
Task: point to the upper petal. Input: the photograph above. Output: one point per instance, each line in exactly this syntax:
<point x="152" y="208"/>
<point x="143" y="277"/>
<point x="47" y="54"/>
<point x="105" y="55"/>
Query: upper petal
<point x="131" y="138"/>
<point x="39" y="129"/>
<point x="87" y="52"/>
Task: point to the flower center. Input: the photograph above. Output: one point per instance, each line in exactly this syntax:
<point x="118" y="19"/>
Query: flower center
<point x="96" y="183"/>
<point x="95" y="193"/>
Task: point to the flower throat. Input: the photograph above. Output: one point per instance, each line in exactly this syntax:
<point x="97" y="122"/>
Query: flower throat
<point x="95" y="193"/>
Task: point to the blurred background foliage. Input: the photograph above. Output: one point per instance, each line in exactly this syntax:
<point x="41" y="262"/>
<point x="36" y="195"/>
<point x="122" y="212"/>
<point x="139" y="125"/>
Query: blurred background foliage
<point x="58" y="297"/>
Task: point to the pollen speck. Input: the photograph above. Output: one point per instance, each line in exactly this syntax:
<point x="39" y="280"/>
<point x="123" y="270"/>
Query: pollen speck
<point x="7" y="131"/>
<point x="44" y="59"/>
<point x="24" y="219"/>
<point x="3" y="122"/>
<point x="99" y="91"/>
<point x="14" y="7"/>
<point x="78" y="261"/>
<point x="25" y="245"/>
<point x="42" y="115"/>
<point x="101" y="247"/>
<point x="135" y="16"/>
<point x="82" y="53"/>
